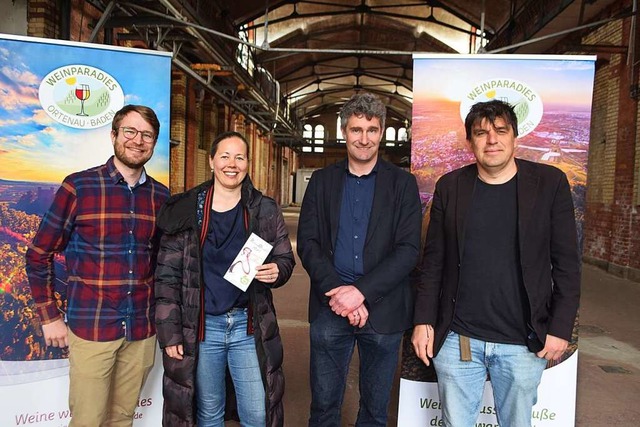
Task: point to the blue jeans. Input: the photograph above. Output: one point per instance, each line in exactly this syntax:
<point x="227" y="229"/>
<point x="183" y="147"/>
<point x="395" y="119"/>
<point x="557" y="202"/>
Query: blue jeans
<point x="332" y="343"/>
<point x="226" y="344"/>
<point x="515" y="373"/>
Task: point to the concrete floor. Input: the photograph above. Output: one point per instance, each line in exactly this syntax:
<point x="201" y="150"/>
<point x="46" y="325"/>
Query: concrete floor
<point x="608" y="365"/>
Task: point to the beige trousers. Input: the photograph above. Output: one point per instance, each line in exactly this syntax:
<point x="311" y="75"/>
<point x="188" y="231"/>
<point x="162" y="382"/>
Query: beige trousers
<point x="105" y="380"/>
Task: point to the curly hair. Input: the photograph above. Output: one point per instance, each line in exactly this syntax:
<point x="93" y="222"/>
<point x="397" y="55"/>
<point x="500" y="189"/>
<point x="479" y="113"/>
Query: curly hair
<point x="363" y="104"/>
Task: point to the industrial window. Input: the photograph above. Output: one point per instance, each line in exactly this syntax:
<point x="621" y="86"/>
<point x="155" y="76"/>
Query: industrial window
<point x="314" y="138"/>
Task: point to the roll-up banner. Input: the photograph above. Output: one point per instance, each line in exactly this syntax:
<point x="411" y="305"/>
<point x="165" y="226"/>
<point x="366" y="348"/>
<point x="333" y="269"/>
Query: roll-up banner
<point x="552" y="96"/>
<point x="57" y="101"/>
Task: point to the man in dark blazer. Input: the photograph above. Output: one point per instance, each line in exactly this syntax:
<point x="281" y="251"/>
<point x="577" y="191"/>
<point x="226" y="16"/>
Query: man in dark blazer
<point x="358" y="238"/>
<point x="500" y="277"/>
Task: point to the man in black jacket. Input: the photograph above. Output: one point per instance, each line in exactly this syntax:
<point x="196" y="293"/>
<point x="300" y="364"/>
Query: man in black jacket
<point x="358" y="238"/>
<point x="500" y="282"/>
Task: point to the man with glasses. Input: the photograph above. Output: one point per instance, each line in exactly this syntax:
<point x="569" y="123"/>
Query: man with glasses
<point x="104" y="220"/>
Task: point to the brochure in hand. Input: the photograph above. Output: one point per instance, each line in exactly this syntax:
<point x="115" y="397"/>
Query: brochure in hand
<point x="243" y="268"/>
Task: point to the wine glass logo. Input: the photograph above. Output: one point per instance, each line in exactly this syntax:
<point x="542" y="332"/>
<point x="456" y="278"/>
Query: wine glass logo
<point x="82" y="93"/>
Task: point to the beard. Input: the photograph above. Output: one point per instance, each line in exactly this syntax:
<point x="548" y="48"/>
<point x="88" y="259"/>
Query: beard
<point x="129" y="160"/>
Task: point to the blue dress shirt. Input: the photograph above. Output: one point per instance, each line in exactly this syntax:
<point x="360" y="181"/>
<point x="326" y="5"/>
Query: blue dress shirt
<point x="355" y="210"/>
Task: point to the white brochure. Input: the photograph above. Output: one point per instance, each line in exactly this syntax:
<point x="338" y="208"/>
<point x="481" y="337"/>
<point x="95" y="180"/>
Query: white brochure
<point x="243" y="268"/>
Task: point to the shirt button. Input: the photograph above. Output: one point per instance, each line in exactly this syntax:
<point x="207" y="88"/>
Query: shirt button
<point x="356" y="256"/>
<point x="130" y="231"/>
<point x="130" y="251"/>
<point x="131" y="211"/>
<point x="130" y="271"/>
<point x="129" y="293"/>
<point x="355" y="237"/>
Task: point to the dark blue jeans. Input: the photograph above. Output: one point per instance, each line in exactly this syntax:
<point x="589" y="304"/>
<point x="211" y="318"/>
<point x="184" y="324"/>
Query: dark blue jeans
<point x="332" y="344"/>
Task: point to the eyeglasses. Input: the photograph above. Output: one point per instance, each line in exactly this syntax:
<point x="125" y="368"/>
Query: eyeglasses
<point x="130" y="133"/>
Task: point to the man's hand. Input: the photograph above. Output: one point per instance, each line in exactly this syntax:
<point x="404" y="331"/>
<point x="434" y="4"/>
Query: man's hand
<point x="554" y="348"/>
<point x="359" y="316"/>
<point x="345" y="299"/>
<point x="55" y="334"/>
<point x="175" y="351"/>
<point x="422" y="340"/>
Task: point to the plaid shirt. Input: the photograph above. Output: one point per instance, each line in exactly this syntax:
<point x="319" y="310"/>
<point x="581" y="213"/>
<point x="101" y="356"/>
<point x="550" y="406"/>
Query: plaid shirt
<point x="108" y="234"/>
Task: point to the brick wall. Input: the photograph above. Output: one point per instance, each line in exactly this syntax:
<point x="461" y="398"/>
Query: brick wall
<point x="83" y="21"/>
<point x="612" y="227"/>
<point x="178" y="132"/>
<point x="602" y="150"/>
<point x="203" y="170"/>
<point x="42" y="19"/>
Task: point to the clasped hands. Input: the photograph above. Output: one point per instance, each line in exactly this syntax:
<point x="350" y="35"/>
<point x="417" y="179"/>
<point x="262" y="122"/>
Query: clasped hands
<point x="347" y="301"/>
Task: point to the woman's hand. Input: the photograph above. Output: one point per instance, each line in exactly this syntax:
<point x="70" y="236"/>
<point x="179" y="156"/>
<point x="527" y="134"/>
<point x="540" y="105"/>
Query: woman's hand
<point x="174" y="351"/>
<point x="267" y="273"/>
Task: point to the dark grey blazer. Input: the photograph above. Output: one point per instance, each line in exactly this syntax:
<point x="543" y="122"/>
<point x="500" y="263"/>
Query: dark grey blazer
<point x="549" y="254"/>
<point x="391" y="250"/>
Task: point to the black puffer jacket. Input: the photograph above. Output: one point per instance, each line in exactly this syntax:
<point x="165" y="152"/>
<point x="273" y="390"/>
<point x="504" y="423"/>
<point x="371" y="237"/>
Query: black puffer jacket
<point x="178" y="287"/>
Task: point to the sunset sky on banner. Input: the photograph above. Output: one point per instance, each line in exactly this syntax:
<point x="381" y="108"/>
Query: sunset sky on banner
<point x="34" y="147"/>
<point x="451" y="79"/>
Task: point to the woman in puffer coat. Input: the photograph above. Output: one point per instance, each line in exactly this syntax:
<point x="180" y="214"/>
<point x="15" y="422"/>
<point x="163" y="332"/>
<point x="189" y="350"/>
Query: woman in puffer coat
<point x="205" y="325"/>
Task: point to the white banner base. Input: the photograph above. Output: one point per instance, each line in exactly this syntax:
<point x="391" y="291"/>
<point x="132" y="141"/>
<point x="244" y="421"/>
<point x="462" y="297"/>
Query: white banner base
<point x="41" y="397"/>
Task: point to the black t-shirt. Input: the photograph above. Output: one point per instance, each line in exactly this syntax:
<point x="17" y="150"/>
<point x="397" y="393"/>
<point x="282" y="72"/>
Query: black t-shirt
<point x="492" y="302"/>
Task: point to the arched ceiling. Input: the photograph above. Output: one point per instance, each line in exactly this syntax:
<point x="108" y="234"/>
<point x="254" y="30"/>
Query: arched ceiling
<point x="315" y="80"/>
<point x="283" y="62"/>
<point x="321" y="52"/>
<point x="352" y="45"/>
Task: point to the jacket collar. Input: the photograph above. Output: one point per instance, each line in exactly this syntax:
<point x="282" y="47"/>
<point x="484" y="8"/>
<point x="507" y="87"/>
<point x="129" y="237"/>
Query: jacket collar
<point x="186" y="210"/>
